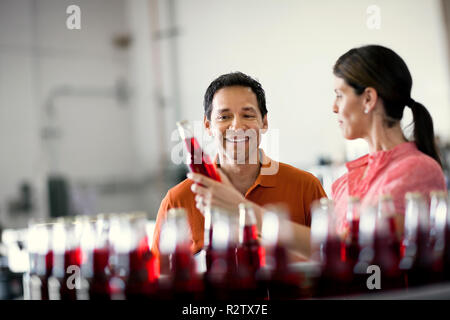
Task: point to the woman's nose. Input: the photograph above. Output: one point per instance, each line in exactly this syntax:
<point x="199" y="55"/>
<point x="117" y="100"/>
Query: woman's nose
<point x="335" y="108"/>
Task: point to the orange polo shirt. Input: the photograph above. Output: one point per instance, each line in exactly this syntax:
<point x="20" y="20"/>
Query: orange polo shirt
<point x="295" y="188"/>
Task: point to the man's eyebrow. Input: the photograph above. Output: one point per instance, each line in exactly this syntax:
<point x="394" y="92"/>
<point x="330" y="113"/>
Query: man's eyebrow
<point x="249" y="109"/>
<point x="223" y="110"/>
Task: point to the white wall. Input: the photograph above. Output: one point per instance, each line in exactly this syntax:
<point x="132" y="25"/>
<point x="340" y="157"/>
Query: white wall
<point x="39" y="54"/>
<point x="291" y="46"/>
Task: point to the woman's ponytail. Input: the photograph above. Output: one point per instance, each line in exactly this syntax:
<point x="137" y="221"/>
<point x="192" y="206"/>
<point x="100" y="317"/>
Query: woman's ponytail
<point x="424" y="131"/>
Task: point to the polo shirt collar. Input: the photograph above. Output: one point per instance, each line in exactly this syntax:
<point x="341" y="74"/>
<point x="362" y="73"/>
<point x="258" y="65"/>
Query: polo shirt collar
<point x="266" y="180"/>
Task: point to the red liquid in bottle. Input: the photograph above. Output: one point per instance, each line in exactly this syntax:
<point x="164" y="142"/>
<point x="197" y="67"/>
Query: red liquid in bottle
<point x="420" y="272"/>
<point x="99" y="287"/>
<point x="250" y="257"/>
<point x="72" y="257"/>
<point x="352" y="244"/>
<point x="143" y="272"/>
<point x="446" y="255"/>
<point x="336" y="274"/>
<point x="387" y="257"/>
<point x="185" y="281"/>
<point x="43" y="269"/>
<point x="209" y="254"/>
<point x="215" y="279"/>
<point x="48" y="273"/>
<point x="250" y="254"/>
<point x="200" y="162"/>
<point x="222" y="281"/>
<point x="283" y="283"/>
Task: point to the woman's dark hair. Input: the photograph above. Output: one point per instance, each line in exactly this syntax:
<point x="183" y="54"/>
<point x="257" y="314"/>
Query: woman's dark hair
<point x="234" y="79"/>
<point x="382" y="69"/>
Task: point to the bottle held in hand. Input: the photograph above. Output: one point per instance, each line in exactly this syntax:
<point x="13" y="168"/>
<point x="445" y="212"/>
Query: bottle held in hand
<point x="198" y="161"/>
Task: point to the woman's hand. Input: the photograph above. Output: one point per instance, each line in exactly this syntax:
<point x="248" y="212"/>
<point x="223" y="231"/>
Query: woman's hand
<point x="213" y="193"/>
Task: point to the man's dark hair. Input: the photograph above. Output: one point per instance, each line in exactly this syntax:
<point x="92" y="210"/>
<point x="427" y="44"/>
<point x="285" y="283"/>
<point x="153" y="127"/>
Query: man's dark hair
<point x="234" y="79"/>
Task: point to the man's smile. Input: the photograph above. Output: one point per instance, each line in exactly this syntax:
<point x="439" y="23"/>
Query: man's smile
<point x="237" y="140"/>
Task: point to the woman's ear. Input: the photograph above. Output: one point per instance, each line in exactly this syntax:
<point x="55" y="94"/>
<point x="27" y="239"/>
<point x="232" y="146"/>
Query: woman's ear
<point x="207" y="124"/>
<point x="370" y="99"/>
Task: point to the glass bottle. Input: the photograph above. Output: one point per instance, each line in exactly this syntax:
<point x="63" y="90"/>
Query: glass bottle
<point x="183" y="282"/>
<point x="66" y="273"/>
<point x="40" y="257"/>
<point x="139" y="264"/>
<point x="352" y="236"/>
<point x="250" y="253"/>
<point x="96" y="250"/>
<point x="336" y="275"/>
<point x="280" y="279"/>
<point x="387" y="244"/>
<point x="221" y="276"/>
<point x="417" y="259"/>
<point x="439" y="234"/>
<point x="198" y="161"/>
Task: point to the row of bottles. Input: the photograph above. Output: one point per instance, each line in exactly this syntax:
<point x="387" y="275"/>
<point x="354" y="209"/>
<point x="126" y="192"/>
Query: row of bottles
<point x="415" y="253"/>
<point x="238" y="265"/>
<point x="108" y="257"/>
<point x="98" y="258"/>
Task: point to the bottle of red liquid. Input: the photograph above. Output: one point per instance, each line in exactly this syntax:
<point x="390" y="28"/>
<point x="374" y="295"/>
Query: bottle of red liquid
<point x="336" y="275"/>
<point x="207" y="240"/>
<point x="444" y="240"/>
<point x="350" y="249"/>
<point x="279" y="278"/>
<point x="417" y="258"/>
<point x="67" y="260"/>
<point x="250" y="254"/>
<point x="141" y="266"/>
<point x="184" y="282"/>
<point x="439" y="235"/>
<point x="366" y="240"/>
<point x="41" y="259"/>
<point x="352" y="235"/>
<point x="96" y="251"/>
<point x="387" y="245"/>
<point x="221" y="276"/>
<point x="198" y="161"/>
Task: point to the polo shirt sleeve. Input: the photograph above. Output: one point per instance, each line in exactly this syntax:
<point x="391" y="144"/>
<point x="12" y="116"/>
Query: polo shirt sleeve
<point x="166" y="204"/>
<point x="313" y="192"/>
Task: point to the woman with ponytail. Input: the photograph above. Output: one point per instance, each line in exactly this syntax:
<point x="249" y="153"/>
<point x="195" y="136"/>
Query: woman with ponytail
<point x="373" y="87"/>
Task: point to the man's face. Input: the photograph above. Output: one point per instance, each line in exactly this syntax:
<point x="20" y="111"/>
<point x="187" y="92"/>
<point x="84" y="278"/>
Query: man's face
<point x="235" y="123"/>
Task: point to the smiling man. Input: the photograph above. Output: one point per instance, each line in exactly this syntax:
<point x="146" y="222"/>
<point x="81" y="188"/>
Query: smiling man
<point x="236" y="115"/>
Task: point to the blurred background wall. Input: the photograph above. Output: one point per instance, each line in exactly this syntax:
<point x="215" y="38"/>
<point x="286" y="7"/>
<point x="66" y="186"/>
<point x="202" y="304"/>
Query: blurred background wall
<point x="87" y="117"/>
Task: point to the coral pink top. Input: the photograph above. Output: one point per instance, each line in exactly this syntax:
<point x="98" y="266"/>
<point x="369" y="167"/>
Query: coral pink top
<point x="397" y="171"/>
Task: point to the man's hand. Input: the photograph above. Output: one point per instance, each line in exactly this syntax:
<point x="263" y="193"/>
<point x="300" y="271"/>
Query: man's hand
<point x="213" y="193"/>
